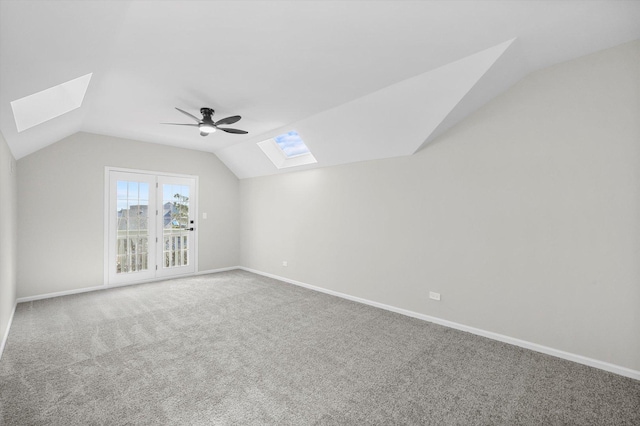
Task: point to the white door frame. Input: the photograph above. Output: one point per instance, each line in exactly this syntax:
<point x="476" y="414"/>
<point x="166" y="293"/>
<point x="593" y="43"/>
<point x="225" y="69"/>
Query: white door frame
<point x="107" y="172"/>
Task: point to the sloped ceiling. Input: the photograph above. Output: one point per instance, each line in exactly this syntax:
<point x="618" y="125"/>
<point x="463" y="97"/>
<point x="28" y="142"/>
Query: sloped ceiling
<point x="359" y="80"/>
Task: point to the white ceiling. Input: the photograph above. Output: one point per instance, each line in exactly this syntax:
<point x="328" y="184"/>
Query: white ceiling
<point x="358" y="79"/>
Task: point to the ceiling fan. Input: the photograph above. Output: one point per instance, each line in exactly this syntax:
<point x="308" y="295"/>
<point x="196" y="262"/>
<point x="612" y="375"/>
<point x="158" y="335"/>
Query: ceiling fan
<point x="206" y="123"/>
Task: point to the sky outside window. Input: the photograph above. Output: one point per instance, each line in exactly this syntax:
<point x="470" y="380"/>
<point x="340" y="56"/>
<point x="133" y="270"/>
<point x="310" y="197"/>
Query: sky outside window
<point x="291" y="144"/>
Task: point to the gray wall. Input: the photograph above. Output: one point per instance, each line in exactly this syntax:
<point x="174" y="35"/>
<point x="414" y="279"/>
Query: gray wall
<point x="61" y="208"/>
<point x="525" y="217"/>
<point x="8" y="235"/>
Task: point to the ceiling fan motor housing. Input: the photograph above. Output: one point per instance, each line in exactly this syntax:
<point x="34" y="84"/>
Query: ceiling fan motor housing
<point x="207" y="112"/>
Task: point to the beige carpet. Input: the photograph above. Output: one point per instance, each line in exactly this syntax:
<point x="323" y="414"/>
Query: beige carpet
<point x="237" y="348"/>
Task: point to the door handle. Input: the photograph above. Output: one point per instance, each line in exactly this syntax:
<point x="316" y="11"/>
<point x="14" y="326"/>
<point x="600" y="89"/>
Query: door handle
<point x="191" y="229"/>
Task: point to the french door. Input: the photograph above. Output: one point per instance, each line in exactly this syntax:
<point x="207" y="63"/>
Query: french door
<point x="151" y="226"/>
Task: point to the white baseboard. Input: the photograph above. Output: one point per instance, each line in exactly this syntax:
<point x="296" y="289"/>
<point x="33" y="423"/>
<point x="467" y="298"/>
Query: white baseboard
<point x="215" y="271"/>
<point x="60" y="293"/>
<point x="6" y="331"/>
<point x="613" y="368"/>
<point x="104" y="287"/>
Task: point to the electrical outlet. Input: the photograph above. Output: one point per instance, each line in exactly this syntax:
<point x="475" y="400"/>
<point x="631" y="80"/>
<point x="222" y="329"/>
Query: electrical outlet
<point x="204" y="215"/>
<point x="285" y="263"/>
<point x="434" y="295"/>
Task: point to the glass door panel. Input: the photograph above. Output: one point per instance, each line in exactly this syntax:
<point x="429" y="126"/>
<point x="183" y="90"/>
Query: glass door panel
<point x="177" y="225"/>
<point x="133" y="226"/>
<point x="131" y="205"/>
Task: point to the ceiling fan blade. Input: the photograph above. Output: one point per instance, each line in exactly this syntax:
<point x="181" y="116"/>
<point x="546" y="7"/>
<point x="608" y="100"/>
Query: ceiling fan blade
<point x="228" y="120"/>
<point x="190" y="115"/>
<point x="182" y="124"/>
<point x="238" y="131"/>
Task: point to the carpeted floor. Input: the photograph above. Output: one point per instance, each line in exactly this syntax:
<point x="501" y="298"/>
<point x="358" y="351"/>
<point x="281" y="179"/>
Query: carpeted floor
<point x="238" y="348"/>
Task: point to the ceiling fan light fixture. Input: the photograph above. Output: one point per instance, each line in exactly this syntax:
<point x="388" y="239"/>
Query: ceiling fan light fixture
<point x="207" y="128"/>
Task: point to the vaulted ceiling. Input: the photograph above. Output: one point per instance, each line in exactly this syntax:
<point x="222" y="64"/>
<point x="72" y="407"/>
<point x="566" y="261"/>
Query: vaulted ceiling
<point x="359" y="80"/>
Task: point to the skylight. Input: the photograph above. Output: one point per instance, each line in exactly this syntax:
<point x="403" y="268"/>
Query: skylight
<point x="49" y="103"/>
<point x="291" y="144"/>
<point x="287" y="150"/>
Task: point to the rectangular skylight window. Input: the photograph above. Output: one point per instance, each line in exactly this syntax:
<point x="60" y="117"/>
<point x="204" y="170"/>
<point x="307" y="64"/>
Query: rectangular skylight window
<point x="49" y="103"/>
<point x="287" y="150"/>
<point x="291" y="144"/>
